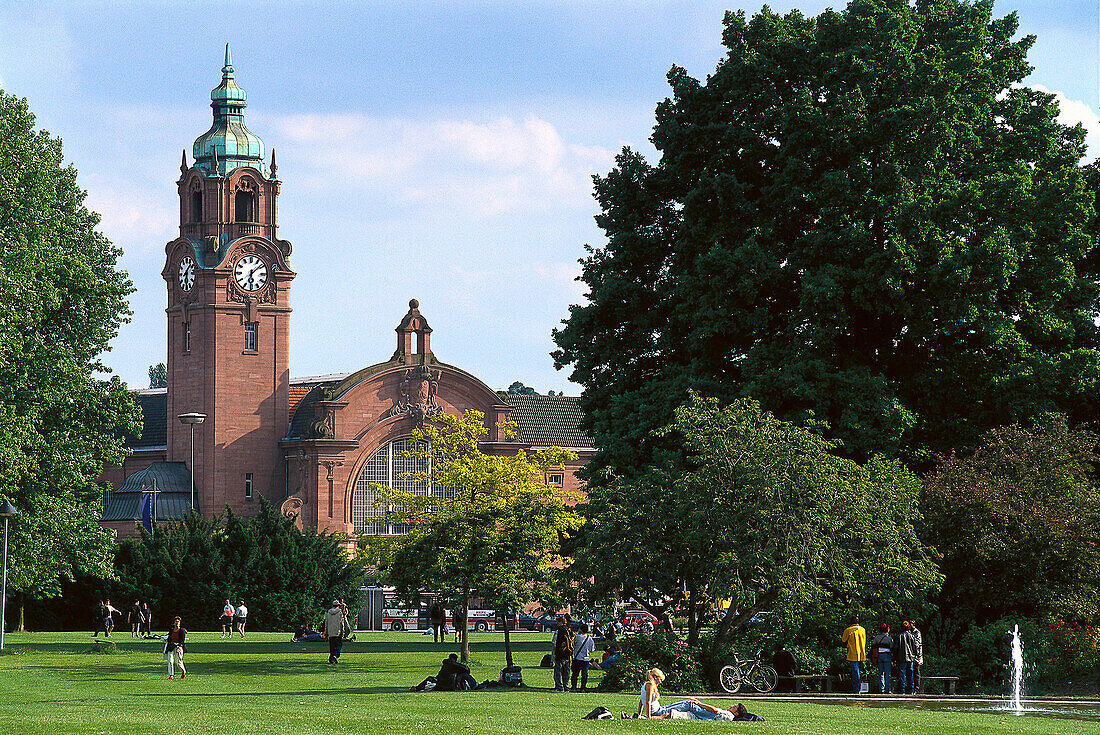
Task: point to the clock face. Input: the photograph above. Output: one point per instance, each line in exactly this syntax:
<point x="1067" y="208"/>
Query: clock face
<point x="187" y="273"/>
<point x="250" y="273"/>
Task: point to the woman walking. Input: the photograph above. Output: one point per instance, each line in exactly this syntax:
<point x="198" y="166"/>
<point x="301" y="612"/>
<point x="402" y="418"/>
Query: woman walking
<point x="174" y="649"/>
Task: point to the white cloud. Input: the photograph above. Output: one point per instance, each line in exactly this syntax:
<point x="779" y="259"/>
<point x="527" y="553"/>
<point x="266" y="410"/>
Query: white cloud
<point x="130" y="213"/>
<point x="1072" y="112"/>
<point x="485" y="168"/>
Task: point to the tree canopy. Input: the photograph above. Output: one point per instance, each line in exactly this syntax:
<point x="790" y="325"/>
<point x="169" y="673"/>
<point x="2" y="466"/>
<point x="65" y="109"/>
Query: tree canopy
<point x="62" y="300"/>
<point x="764" y="514"/>
<point x="1018" y="524"/>
<point x="863" y="215"/>
<point x="158" y="375"/>
<point x="494" y="526"/>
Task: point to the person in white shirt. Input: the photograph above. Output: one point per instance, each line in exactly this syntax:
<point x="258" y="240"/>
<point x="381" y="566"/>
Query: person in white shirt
<point x="583" y="647"/>
<point x="242" y="618"/>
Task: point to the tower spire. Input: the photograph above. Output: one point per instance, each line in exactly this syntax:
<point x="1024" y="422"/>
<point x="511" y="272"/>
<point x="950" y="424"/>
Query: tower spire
<point x="236" y="145"/>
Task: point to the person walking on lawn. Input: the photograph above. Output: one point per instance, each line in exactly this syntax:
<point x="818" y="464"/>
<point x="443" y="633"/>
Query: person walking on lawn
<point x="174" y="648"/>
<point x="336" y="628"/>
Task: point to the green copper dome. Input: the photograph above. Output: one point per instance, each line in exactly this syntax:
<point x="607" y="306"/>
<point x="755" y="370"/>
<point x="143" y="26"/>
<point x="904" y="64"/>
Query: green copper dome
<point x="228" y="144"/>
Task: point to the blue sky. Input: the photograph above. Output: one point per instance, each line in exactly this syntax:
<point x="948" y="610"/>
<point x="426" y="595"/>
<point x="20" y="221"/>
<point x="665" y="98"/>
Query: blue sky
<point x="437" y="150"/>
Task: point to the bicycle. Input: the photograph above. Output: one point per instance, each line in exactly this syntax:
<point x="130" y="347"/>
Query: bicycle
<point x="760" y="677"/>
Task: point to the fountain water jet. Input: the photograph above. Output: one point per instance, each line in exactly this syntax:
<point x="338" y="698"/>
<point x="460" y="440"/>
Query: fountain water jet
<point x="1017" y="668"/>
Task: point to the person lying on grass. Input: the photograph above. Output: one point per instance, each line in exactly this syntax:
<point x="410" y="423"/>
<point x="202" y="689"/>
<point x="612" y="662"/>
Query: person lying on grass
<point x="649" y="706"/>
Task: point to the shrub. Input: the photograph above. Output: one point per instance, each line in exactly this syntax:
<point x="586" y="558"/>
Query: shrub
<point x="666" y="651"/>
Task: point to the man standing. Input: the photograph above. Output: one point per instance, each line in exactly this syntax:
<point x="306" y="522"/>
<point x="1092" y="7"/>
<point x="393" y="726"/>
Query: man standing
<point x="436" y="616"/>
<point x="133" y="617"/>
<point x="242" y="618"/>
<point x="227" y="619"/>
<point x="920" y="655"/>
<point x="336" y="627"/>
<point x="563" y="647"/>
<point x="910" y="651"/>
<point x="100" y="616"/>
<point x="109" y="620"/>
<point x="855" y="637"/>
<point x="583" y="646"/>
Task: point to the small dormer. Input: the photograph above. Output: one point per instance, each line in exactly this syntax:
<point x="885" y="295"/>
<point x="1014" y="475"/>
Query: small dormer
<point x="413" y="338"/>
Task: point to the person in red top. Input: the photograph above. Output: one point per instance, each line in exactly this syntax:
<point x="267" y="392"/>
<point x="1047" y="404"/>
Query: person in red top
<point x="174" y="649"/>
<point x="227" y="619"/>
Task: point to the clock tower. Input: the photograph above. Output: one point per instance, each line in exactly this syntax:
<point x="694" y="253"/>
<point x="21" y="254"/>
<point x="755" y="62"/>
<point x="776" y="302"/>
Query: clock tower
<point x="228" y="276"/>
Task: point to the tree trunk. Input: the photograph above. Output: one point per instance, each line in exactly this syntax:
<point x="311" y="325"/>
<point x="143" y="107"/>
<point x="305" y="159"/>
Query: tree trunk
<point x="506" y="616"/>
<point x="465" y="630"/>
<point x="22" y="604"/>
<point x="693" y="615"/>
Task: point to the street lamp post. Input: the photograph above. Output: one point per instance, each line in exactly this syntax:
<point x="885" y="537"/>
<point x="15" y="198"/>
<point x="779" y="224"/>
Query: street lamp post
<point x="7" y="510"/>
<point x="192" y="419"/>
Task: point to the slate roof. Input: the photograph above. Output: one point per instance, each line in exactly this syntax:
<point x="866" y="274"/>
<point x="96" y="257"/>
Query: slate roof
<point x="548" y="421"/>
<point x="154" y="410"/>
<point x="173" y="484"/>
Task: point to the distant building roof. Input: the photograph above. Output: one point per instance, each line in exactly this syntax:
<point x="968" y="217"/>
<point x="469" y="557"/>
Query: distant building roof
<point x="173" y="485"/>
<point x="548" y="421"/>
<point x="543" y="421"/>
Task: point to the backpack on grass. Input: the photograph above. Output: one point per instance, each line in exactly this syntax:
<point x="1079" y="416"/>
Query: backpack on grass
<point x="600" y="713"/>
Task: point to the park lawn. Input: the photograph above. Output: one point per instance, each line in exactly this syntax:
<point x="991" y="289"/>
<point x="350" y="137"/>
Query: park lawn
<point x="57" y="683"/>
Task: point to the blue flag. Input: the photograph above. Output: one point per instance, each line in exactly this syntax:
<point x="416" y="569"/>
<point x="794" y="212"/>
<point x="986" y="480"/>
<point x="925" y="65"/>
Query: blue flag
<point x="147" y="511"/>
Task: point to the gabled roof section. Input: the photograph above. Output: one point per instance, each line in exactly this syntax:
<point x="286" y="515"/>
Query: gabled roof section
<point x="173" y="484"/>
<point x="548" y="421"/>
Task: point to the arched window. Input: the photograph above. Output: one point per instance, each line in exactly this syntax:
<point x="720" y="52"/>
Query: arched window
<point x="387" y="467"/>
<point x="246" y="206"/>
<point x="196" y="206"/>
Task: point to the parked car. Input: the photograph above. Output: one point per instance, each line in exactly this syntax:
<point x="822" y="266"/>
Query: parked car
<point x="550" y="622"/>
<point x="639" y="620"/>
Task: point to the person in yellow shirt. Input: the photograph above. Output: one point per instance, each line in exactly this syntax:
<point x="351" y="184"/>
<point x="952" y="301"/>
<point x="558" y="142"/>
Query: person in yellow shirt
<point x="855" y="637"/>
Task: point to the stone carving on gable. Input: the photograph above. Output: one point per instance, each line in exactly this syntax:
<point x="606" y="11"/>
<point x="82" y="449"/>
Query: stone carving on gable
<point x="293" y="505"/>
<point x="292" y="508"/>
<point x="418" y="388"/>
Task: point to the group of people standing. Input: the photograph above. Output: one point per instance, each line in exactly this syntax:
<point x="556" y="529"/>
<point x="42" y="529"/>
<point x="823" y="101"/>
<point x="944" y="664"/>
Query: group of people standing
<point x="234" y="618"/>
<point x="902" y="654"/>
<point x="572" y="653"/>
<point x="139" y="617"/>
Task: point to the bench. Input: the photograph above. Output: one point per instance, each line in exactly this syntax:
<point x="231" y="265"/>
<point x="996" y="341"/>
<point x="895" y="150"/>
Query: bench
<point x="825" y="681"/>
<point x="948" y="684"/>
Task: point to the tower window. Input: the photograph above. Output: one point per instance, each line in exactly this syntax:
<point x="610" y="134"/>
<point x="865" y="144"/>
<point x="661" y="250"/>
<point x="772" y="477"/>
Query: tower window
<point x="251" y="340"/>
<point x="196" y="206"/>
<point x="187" y="336"/>
<point x="248" y="485"/>
<point x="246" y="206"/>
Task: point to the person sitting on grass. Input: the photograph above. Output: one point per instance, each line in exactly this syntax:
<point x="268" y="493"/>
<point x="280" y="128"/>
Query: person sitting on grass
<point x="306" y="633"/>
<point x="454" y="676"/>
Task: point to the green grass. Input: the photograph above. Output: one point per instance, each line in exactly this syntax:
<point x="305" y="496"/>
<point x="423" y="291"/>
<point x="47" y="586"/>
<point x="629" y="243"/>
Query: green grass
<point x="57" y="683"/>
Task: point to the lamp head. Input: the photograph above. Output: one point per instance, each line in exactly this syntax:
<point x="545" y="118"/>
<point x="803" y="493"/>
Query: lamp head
<point x="191" y="418"/>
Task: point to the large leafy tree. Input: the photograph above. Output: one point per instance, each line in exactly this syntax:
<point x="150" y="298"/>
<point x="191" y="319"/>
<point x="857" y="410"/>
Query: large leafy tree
<point x="62" y="299"/>
<point x="860" y="214"/>
<point x="495" y="529"/>
<point x="1018" y="524"/>
<point x="762" y="512"/>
